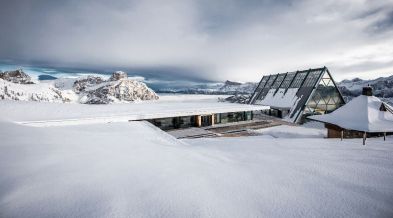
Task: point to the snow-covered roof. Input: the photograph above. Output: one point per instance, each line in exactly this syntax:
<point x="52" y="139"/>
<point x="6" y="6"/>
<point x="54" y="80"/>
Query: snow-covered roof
<point x="281" y="99"/>
<point x="53" y="114"/>
<point x="363" y="113"/>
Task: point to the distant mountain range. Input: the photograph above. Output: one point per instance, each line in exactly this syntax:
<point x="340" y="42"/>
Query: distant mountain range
<point x="382" y="87"/>
<point x="225" y="88"/>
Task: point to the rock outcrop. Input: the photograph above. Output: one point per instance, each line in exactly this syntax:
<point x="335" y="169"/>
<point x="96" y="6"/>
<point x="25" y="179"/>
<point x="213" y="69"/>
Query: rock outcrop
<point x="118" y="75"/>
<point x="16" y="76"/>
<point x="241" y="99"/>
<point x="118" y="88"/>
<point x="81" y="84"/>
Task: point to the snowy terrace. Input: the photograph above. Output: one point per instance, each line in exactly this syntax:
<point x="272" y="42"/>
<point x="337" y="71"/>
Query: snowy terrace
<point x="52" y="114"/>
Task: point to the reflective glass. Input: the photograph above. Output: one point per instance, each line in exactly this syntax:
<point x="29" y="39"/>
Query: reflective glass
<point x="278" y="81"/>
<point x="270" y="81"/>
<point x="312" y="78"/>
<point x="299" y="79"/>
<point x="287" y="81"/>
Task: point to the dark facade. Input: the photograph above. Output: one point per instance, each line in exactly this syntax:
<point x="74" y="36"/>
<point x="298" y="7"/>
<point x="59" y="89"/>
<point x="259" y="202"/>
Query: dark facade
<point x="201" y="120"/>
<point x="296" y="95"/>
<point x="334" y="131"/>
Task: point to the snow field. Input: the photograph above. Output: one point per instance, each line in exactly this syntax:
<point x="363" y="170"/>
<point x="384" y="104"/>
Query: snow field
<point x="136" y="170"/>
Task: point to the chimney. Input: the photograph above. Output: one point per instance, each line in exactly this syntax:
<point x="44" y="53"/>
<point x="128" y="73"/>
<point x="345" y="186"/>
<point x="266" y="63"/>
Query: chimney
<point x="367" y="91"/>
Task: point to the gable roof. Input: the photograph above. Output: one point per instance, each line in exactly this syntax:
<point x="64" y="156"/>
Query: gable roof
<point x="363" y="113"/>
<point x="291" y="91"/>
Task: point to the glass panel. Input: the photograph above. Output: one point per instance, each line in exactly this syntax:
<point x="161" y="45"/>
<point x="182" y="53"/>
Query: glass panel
<point x="217" y="118"/>
<point x="312" y="103"/>
<point x="323" y="101"/>
<point x="308" y="110"/>
<point x="235" y="116"/>
<point x="331" y="101"/>
<point x="326" y="76"/>
<point x="326" y="97"/>
<point x="336" y="99"/>
<point x="299" y="79"/>
<point x="317" y="97"/>
<point x="263" y="82"/>
<point x="330" y="83"/>
<point x="287" y="81"/>
<point x="174" y="122"/>
<point x="324" y="82"/>
<point x="270" y="81"/>
<point x="248" y="115"/>
<point x="312" y="78"/>
<point x="321" y="108"/>
<point x="331" y="107"/>
<point x="278" y="81"/>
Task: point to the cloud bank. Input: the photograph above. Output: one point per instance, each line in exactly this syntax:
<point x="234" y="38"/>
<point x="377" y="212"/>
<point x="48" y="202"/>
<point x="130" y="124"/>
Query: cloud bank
<point x="213" y="40"/>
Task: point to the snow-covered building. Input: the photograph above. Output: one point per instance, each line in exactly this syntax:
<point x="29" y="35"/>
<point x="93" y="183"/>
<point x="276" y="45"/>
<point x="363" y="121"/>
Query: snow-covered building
<point x="169" y="112"/>
<point x="296" y="95"/>
<point x="365" y="114"/>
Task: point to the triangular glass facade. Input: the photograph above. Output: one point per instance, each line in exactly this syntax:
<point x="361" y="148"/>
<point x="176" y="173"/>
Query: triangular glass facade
<point x="312" y="92"/>
<point x="325" y="99"/>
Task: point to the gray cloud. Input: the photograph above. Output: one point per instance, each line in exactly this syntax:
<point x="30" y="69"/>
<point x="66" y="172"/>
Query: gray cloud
<point x="386" y="23"/>
<point x="217" y="40"/>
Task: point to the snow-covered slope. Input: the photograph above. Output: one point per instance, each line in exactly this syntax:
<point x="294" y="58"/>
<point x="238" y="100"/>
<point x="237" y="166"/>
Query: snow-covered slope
<point x="88" y="90"/>
<point x="134" y="170"/>
<point x="285" y="131"/>
<point x="30" y="92"/>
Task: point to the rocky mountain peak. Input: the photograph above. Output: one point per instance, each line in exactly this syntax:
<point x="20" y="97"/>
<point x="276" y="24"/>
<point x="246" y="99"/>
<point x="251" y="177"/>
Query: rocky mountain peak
<point x="232" y="83"/>
<point x="118" y="75"/>
<point x="95" y="90"/>
<point x="16" y="76"/>
<point x="122" y="90"/>
<point x="83" y="83"/>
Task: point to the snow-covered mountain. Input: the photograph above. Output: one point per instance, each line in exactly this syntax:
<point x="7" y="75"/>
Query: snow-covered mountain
<point x="227" y="88"/>
<point x="16" y="76"/>
<point x="118" y="88"/>
<point x="239" y="88"/>
<point x="382" y="88"/>
<point x="16" y="85"/>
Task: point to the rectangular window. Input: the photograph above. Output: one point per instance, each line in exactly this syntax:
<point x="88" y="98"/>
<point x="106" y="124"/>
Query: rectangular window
<point x="174" y="122"/>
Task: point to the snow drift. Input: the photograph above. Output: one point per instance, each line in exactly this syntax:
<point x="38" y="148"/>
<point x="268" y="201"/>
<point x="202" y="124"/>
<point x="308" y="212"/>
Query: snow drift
<point x="109" y="170"/>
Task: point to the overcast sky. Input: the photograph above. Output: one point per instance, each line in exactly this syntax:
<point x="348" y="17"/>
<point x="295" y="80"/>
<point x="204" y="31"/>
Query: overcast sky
<point x="209" y="39"/>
